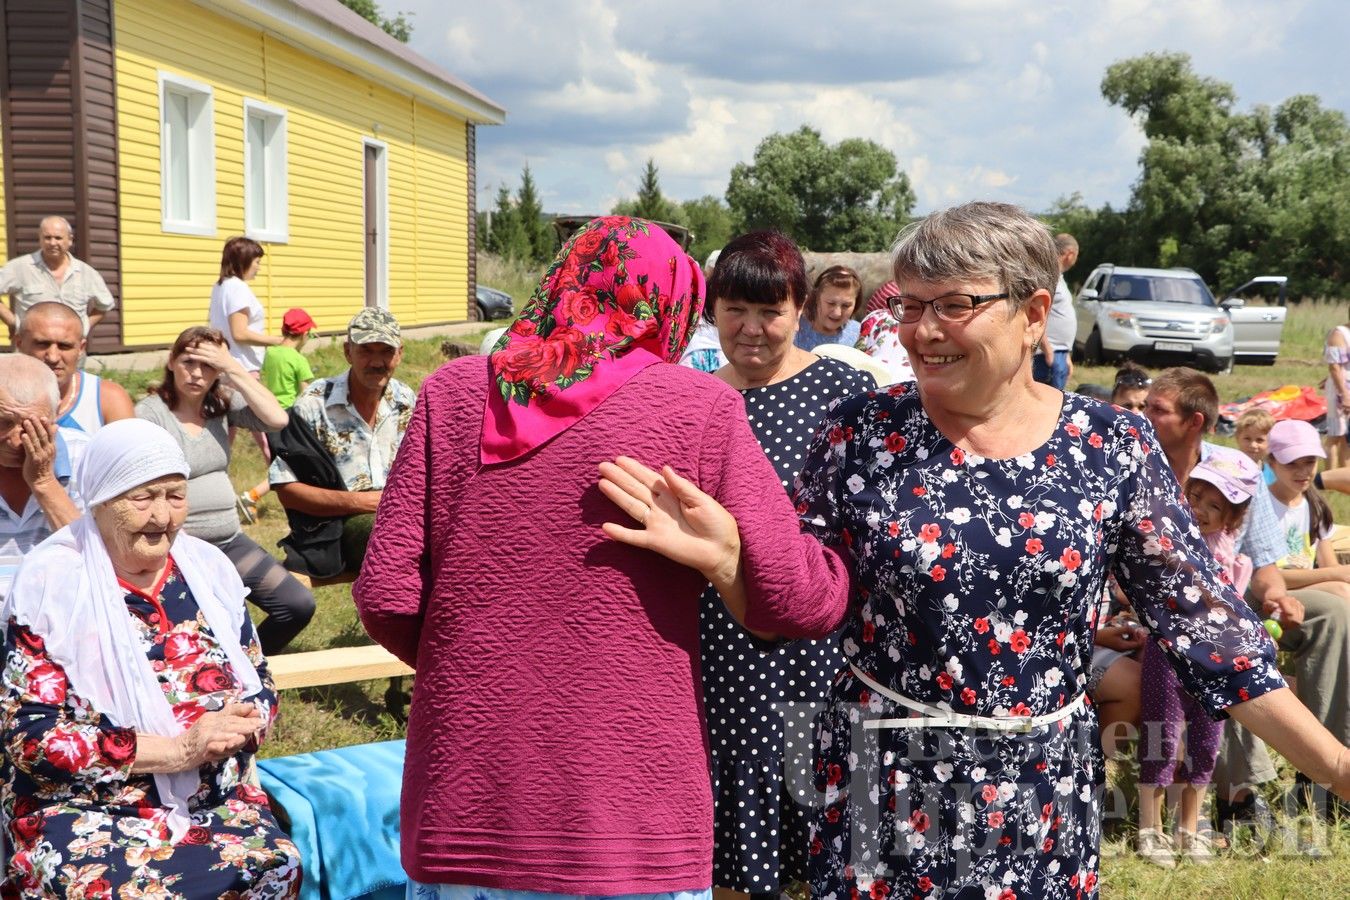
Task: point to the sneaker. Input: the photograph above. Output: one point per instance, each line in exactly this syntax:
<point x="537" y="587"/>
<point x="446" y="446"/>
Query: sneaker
<point x="1196" y="846"/>
<point x="248" y="508"/>
<point x="1155" y="847"/>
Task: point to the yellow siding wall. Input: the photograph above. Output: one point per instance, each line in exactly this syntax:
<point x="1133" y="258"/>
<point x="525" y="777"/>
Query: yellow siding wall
<point x="167" y="278"/>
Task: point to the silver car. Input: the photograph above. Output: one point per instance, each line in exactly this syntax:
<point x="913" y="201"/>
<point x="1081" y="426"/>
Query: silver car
<point x="1169" y="317"/>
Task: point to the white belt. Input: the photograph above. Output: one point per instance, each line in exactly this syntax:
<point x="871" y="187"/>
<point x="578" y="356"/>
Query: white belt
<point x="936" y="717"/>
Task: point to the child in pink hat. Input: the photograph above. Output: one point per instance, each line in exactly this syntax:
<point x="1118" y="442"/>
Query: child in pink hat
<point x="1304" y="516"/>
<point x="1219" y="490"/>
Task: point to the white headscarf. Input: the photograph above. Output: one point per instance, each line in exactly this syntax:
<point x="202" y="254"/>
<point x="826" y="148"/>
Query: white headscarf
<point x="66" y="592"/>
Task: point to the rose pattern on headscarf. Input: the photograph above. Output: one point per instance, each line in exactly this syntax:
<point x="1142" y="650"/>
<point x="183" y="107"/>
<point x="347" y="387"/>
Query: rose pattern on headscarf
<point x="618" y="283"/>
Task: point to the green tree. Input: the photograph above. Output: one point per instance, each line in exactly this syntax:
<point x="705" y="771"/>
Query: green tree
<point x="505" y="236"/>
<point x="398" y="27"/>
<point x="710" y="221"/>
<point x="849" y="196"/>
<point x="530" y="214"/>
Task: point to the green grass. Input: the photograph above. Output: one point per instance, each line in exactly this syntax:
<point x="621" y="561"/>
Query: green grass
<point x="319" y="718"/>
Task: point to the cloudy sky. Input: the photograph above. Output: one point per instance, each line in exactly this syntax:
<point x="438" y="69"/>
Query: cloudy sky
<point x="977" y="98"/>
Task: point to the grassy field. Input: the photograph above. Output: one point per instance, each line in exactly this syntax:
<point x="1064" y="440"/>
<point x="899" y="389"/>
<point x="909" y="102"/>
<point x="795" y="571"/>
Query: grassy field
<point x="320" y="718"/>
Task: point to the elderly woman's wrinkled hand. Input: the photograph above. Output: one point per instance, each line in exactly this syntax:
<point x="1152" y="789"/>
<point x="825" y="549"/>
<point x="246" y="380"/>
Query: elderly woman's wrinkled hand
<point x="217" y="736"/>
<point x="678" y="520"/>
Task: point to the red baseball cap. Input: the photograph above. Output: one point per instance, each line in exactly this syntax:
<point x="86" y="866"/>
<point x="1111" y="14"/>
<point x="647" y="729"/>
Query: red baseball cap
<point x="297" y="321"/>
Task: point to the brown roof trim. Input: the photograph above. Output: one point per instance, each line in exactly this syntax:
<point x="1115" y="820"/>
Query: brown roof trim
<point x="331" y="30"/>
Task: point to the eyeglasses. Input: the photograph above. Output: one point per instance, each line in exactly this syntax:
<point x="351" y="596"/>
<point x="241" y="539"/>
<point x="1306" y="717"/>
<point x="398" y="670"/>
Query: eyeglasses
<point x="949" y="307"/>
<point x="1133" y="379"/>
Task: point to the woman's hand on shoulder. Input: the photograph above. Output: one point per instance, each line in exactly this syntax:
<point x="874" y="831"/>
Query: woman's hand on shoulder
<point x="677" y="520"/>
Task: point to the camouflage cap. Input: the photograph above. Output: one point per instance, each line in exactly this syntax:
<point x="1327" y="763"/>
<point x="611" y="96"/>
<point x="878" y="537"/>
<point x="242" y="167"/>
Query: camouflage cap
<point x="373" y="325"/>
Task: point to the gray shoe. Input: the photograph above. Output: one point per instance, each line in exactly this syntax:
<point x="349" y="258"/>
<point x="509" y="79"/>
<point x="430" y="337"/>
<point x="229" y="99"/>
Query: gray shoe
<point x="1195" y="846"/>
<point x="1155" y="847"/>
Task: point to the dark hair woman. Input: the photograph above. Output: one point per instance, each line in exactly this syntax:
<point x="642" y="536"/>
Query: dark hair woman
<point x="205" y="392"/>
<point x="234" y="311"/>
<point x="760" y="702"/>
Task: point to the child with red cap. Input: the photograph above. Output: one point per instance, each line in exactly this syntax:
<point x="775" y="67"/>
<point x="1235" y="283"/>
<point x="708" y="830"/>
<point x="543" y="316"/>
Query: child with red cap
<point x="285" y="372"/>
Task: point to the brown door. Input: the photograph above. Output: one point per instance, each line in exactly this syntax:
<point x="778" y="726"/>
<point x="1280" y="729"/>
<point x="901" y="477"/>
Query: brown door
<point x="374" y="204"/>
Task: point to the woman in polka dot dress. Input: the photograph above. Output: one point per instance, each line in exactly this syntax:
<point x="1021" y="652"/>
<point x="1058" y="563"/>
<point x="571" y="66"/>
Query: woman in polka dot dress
<point x="761" y="699"/>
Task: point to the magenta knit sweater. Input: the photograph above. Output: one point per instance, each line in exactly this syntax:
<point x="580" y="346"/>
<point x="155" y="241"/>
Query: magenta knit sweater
<point x="556" y="739"/>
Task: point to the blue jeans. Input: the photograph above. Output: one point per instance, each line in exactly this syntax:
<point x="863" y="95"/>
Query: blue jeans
<point x="1056" y="375"/>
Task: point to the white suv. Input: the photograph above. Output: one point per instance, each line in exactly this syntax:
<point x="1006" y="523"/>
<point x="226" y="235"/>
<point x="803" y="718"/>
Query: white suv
<point x="1169" y="317"/>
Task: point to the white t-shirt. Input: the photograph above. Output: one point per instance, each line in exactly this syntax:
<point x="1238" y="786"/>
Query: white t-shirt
<point x="231" y="296"/>
<point x="1299" y="545"/>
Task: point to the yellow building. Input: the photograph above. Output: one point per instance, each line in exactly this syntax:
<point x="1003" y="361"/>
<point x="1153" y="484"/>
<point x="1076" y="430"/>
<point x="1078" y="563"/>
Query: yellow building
<point x="174" y="125"/>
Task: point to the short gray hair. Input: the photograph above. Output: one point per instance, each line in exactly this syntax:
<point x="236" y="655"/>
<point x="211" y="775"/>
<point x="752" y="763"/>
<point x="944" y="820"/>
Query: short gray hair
<point x="979" y="241"/>
<point x="28" y="382"/>
<point x="70" y="230"/>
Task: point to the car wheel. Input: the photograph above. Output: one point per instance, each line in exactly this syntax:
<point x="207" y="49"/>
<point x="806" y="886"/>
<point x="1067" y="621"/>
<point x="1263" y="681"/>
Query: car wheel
<point x="1224" y="366"/>
<point x="1092" y="350"/>
<point x="476" y="313"/>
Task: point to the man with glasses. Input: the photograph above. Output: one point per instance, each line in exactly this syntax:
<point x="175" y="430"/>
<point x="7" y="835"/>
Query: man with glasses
<point x="1052" y="365"/>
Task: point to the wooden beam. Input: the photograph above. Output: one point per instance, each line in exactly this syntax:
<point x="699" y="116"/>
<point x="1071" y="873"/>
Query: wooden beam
<point x="337" y="666"/>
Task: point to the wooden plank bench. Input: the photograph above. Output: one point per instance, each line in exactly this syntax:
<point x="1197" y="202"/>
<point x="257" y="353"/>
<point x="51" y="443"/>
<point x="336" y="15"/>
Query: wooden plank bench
<point x="1340" y="542"/>
<point x="339" y="665"/>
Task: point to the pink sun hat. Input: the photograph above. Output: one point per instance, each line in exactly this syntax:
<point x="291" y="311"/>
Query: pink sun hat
<point x="1291" y="439"/>
<point x="1236" y="476"/>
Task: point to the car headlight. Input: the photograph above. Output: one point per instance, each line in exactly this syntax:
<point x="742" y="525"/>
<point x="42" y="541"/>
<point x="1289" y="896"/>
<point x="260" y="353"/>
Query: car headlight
<point x="1121" y="319"/>
<point x="1220" y="323"/>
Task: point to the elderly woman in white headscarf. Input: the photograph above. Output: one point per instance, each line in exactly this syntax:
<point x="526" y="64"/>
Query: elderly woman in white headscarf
<point x="135" y="695"/>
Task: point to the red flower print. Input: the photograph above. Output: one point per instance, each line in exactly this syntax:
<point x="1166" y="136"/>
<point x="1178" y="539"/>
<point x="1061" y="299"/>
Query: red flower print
<point x="117" y="747"/>
<point x="1020" y="709"/>
<point x="958" y="456"/>
<point x="937" y="573"/>
<point x="1090" y="882"/>
<point x="988" y="793"/>
<point x="802" y="508"/>
<point x="894" y="529"/>
<point x="968" y="696"/>
<point x="835" y="774"/>
<point x="27" y="829"/>
<point x="1008" y="681"/>
<point x="610" y="257"/>
<point x="896" y="390"/>
<point x="816" y="846"/>
<point x="1026" y="519"/>
<point x="1243" y="694"/>
<point x="1071" y="559"/>
<point x="895" y="442"/>
<point x="578" y="307"/>
<point x="181" y="645"/>
<point x="1034" y="545"/>
<point x="993" y="647"/>
<point x="1059" y="638"/>
<point x="1049" y="459"/>
<point x="944" y="681"/>
<point x="211" y="678"/>
<point x="879" y="890"/>
<point x="832" y="814"/>
<point x="995" y="819"/>
<point x="1072" y="430"/>
<point x="68" y="749"/>
<point x="836" y="435"/>
<point x="1146" y="526"/>
<point x="1019" y="641"/>
<point x="1216" y="657"/>
<point x="869" y="631"/>
<point x="919" y="819"/>
<point x="1165" y="542"/>
<point x="925" y="884"/>
<point x="919" y="491"/>
<point x="197" y="835"/>
<point x="524" y="328"/>
<point x="930" y="533"/>
<point x="29" y="640"/>
<point x="588" y="244"/>
<point x="1241" y="663"/>
<point x="47" y="683"/>
<point x="1095" y="440"/>
<point x="981" y="625"/>
<point x="948" y="550"/>
<point x="628" y="296"/>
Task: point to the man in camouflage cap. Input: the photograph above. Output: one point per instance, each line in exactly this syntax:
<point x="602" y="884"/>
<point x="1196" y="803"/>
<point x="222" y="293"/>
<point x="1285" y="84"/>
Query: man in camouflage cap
<point x="359" y="416"/>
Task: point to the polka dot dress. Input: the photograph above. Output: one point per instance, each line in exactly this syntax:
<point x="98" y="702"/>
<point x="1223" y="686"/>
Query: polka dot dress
<point x="762" y="699"/>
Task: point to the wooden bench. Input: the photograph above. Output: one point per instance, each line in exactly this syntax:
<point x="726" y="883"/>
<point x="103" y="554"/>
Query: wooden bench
<point x="339" y="665"/>
<point x="1340" y="542"/>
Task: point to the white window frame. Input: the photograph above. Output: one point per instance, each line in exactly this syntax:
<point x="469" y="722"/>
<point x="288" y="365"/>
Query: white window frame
<point x="201" y="219"/>
<point x="382" y="201"/>
<point x="277" y="222"/>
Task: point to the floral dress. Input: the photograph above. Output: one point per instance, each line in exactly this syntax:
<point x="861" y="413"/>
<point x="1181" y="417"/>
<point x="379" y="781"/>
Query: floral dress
<point x="760" y="699"/>
<point x="80" y="824"/>
<point x="975" y="581"/>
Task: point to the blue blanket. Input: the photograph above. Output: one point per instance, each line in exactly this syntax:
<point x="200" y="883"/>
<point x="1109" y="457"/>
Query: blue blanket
<point x="343" y="807"/>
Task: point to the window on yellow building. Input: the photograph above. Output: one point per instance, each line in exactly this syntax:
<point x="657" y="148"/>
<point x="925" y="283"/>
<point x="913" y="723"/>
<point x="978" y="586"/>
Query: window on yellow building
<point x="265" y="196"/>
<point x="187" y="156"/>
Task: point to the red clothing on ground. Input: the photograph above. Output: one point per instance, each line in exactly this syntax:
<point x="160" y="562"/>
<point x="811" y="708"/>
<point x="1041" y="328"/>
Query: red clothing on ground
<point x="556" y="740"/>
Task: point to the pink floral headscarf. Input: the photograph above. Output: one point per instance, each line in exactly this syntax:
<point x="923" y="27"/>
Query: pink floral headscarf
<point x="621" y="296"/>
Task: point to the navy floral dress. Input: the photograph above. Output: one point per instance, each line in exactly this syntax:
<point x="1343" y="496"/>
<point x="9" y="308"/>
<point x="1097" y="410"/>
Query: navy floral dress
<point x="975" y="583"/>
<point x="80" y="824"/>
